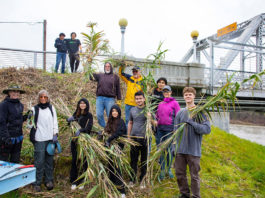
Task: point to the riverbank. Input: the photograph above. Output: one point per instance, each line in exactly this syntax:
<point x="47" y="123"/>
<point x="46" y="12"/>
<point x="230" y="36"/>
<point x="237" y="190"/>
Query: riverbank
<point x="249" y="132"/>
<point x="248" y="118"/>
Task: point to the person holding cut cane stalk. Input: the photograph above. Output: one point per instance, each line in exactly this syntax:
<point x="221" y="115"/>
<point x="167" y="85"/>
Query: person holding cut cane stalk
<point x="85" y="120"/>
<point x="165" y="115"/>
<point x="137" y="132"/>
<point x="189" y="145"/>
<point x="115" y="128"/>
<point x="108" y="89"/>
<point x="134" y="84"/>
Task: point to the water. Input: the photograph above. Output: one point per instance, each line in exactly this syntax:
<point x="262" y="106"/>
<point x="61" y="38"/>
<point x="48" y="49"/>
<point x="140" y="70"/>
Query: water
<point x="252" y="133"/>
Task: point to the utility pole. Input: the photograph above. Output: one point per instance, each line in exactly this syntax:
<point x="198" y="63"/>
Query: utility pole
<point x="44" y="43"/>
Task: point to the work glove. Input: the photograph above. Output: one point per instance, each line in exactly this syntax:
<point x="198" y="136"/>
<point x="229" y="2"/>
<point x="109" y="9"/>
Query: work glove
<point x="100" y="135"/>
<point x="55" y="138"/>
<point x="107" y="144"/>
<point x="77" y="133"/>
<point x="29" y="113"/>
<point x="70" y="119"/>
<point x="13" y="140"/>
<point x="118" y="103"/>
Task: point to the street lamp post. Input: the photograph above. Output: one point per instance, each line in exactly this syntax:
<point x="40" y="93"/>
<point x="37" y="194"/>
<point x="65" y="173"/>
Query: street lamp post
<point x="123" y="24"/>
<point x="194" y="35"/>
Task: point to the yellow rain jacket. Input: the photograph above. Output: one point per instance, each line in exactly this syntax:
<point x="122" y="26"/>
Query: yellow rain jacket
<point x="133" y="85"/>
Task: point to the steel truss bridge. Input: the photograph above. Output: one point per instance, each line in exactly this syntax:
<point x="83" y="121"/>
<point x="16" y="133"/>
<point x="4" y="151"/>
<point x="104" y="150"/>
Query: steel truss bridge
<point x="241" y="52"/>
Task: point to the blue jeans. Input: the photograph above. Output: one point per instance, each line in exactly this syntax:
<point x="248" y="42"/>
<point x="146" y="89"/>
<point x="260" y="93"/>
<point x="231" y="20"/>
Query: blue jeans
<point x="162" y="136"/>
<point x="127" y="113"/>
<point x="60" y="56"/>
<point x="103" y="103"/>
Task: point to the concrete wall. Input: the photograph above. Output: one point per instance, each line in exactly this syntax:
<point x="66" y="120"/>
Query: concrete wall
<point x="222" y="121"/>
<point x="177" y="74"/>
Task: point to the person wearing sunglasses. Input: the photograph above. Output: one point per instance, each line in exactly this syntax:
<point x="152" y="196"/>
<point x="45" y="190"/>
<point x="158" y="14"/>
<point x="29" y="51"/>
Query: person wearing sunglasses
<point x="11" y="122"/>
<point x="134" y="84"/>
<point x="46" y="132"/>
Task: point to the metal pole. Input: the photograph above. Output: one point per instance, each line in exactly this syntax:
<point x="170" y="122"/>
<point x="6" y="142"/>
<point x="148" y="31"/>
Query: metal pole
<point x="35" y="60"/>
<point x="212" y="65"/>
<point x="44" y="43"/>
<point x="259" y="43"/>
<point x="122" y="39"/>
<point x="194" y="50"/>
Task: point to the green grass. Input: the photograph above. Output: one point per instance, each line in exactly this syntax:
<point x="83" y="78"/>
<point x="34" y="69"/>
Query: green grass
<point x="230" y="167"/>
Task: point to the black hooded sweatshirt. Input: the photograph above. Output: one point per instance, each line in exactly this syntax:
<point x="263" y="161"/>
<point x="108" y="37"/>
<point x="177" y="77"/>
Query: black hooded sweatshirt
<point x="108" y="84"/>
<point x="121" y="127"/>
<point x="84" y="120"/>
<point x="11" y="118"/>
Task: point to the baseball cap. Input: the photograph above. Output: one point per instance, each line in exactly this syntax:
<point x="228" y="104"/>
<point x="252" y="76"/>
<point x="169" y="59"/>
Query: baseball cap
<point x="136" y="68"/>
<point x="167" y="88"/>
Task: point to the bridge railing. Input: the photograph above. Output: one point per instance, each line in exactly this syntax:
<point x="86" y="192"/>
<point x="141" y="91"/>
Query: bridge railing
<point x="27" y="58"/>
<point x="238" y="76"/>
<point x="178" y="74"/>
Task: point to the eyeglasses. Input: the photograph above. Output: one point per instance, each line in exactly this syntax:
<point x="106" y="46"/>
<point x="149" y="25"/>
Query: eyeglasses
<point x="166" y="91"/>
<point x="43" y="97"/>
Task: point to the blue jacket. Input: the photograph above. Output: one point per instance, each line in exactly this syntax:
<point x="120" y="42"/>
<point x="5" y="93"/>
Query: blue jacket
<point x="61" y="45"/>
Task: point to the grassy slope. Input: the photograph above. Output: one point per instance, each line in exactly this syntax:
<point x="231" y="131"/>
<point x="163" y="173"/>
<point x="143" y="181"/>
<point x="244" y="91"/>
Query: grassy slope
<point x="231" y="167"/>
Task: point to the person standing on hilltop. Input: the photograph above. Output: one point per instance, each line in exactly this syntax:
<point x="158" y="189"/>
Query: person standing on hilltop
<point x="74" y="47"/>
<point x="61" y="45"/>
<point x="189" y="145"/>
<point x="134" y="84"/>
<point x="11" y="121"/>
<point x="108" y="88"/>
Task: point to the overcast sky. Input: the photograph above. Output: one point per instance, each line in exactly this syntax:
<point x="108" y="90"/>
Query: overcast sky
<point x="149" y="21"/>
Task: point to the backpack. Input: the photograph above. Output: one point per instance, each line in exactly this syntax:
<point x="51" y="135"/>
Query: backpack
<point x="34" y="129"/>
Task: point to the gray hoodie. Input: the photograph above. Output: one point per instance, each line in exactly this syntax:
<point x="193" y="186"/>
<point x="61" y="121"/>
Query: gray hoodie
<point x="191" y="139"/>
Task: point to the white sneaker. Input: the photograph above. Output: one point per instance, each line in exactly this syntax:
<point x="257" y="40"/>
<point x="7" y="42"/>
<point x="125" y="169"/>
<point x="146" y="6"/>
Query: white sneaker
<point x="131" y="184"/>
<point x="123" y="196"/>
<point x="81" y="187"/>
<point x="73" y="187"/>
<point x="142" y="186"/>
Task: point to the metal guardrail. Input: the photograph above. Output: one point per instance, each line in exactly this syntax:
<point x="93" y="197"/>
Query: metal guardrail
<point x="239" y="76"/>
<point x="28" y="58"/>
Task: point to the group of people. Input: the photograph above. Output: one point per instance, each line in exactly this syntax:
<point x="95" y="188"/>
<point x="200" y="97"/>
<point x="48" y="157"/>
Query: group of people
<point x="71" y="46"/>
<point x="168" y="117"/>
